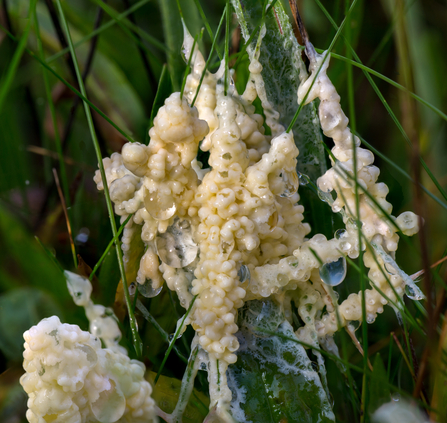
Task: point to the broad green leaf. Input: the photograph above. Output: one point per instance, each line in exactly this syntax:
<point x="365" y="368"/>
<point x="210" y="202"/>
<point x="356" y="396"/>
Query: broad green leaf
<point x="25" y="262"/>
<point x="379" y="391"/>
<point x="166" y="393"/>
<point x="283" y="69"/>
<point x="34" y="305"/>
<point x="173" y="32"/>
<point x="273" y="379"/>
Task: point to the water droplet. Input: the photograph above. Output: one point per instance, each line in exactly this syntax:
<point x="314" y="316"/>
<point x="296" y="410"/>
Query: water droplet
<point x="390" y="269"/>
<point x="341" y="233"/>
<point x="353" y="223"/>
<point x="413" y="293"/>
<point x="146" y="289"/>
<point x="325" y="196"/>
<point x="171" y="337"/>
<point x="244" y="274"/>
<point x="333" y="273"/>
<point x="203" y="366"/>
<point x="303" y="179"/>
<point x="82" y="236"/>
<point x="132" y="288"/>
<point x="27" y="182"/>
<point x="159" y="206"/>
<point x="396" y="396"/>
<point x="370" y="318"/>
<point x="290" y="180"/>
<point x="176" y="247"/>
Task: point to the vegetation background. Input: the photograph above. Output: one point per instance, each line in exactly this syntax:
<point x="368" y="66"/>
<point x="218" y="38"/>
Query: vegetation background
<point x="42" y="121"/>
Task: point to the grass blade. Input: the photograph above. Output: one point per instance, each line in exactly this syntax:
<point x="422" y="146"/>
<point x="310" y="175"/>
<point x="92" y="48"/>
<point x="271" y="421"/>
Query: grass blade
<point x="71" y="87"/>
<point x="135" y="336"/>
<point x="106" y="251"/>
<point x="5" y="84"/>
<point x="172" y="342"/>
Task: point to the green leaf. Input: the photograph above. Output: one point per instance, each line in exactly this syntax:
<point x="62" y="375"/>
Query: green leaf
<point x="283" y="69"/>
<point x="34" y="305"/>
<point x="379" y="391"/>
<point x="173" y="32"/>
<point x="273" y="379"/>
<point x="25" y="262"/>
<point x="167" y="392"/>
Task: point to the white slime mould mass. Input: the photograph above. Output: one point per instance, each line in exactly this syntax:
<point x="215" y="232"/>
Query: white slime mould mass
<point x="70" y="378"/>
<point x="225" y="235"/>
<point x="235" y="232"/>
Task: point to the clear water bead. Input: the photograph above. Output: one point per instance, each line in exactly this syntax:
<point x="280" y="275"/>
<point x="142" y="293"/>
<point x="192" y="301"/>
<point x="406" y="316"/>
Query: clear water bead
<point x="175" y="247"/>
<point x="147" y="290"/>
<point x="325" y="196"/>
<point x="341" y="233"/>
<point x="413" y="294"/>
<point x="290" y="180"/>
<point x="302" y="178"/>
<point x="333" y="273"/>
<point x="159" y="206"/>
<point x="244" y="274"/>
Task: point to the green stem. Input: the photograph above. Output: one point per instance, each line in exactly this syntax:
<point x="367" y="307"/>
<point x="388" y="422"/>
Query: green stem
<point x="5" y="84"/>
<point x="135" y="335"/>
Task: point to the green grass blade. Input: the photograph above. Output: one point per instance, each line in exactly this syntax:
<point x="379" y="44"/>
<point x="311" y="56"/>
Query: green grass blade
<point x="227" y="46"/>
<point x="50" y="255"/>
<point x="151" y="319"/>
<point x="57" y="138"/>
<point x="209" y="57"/>
<point x="388" y="108"/>
<point x="130" y="28"/>
<point x="172" y="342"/>
<point x="207" y="25"/>
<point x="331" y="46"/>
<point x="135" y="336"/>
<point x="5" y="83"/>
<point x="71" y="87"/>
<point x="173" y="33"/>
<point x="102" y="28"/>
<point x="188" y="65"/>
<point x="401" y="171"/>
<point x="109" y="246"/>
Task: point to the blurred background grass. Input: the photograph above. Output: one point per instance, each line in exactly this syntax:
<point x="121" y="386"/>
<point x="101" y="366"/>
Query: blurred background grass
<point x="122" y="82"/>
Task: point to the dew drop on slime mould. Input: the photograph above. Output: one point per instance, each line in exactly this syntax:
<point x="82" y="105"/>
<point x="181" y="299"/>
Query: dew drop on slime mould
<point x="413" y="293"/>
<point x="147" y="290"/>
<point x="341" y="233"/>
<point x="175" y="247"/>
<point x="244" y="274"/>
<point x="333" y="273"/>
<point x="159" y="206"/>
<point x="302" y="178"/>
<point x="290" y="180"/>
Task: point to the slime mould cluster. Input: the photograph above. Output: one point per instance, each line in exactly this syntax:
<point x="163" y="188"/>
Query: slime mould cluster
<point x="234" y="232"/>
<point x="70" y="378"/>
